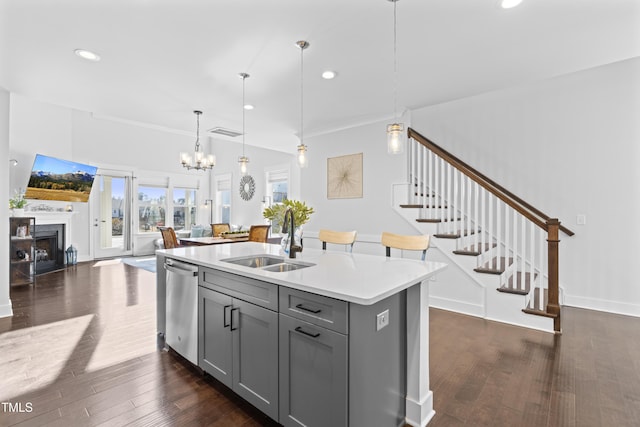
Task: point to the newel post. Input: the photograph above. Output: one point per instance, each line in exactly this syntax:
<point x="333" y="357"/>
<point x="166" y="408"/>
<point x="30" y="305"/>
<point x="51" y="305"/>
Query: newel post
<point x="553" y="303"/>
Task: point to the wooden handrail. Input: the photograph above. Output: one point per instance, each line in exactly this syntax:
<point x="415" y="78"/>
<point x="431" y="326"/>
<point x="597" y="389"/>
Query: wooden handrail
<point x="531" y="213"/>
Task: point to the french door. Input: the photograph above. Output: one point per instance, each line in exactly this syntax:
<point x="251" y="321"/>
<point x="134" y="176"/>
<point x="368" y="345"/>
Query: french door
<point x="111" y="211"/>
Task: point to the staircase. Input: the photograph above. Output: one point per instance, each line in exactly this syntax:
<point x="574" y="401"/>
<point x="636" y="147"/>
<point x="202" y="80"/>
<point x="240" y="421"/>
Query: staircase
<point x="504" y="245"/>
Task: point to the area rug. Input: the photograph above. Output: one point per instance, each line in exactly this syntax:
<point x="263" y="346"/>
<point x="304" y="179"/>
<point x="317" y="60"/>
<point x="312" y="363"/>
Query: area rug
<point x="146" y="263"/>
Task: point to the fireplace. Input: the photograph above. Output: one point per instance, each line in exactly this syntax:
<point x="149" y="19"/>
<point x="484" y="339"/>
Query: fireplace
<point x="49" y="252"/>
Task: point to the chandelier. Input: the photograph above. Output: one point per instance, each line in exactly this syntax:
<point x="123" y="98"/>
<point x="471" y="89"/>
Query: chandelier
<point x="199" y="161"/>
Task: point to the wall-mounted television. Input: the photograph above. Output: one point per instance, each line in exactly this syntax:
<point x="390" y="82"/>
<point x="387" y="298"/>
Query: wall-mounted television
<point x="56" y="179"/>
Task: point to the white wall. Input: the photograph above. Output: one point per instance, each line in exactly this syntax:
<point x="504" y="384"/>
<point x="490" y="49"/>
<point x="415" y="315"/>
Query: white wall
<point x="5" y="301"/>
<point x="370" y="215"/>
<point x="569" y="146"/>
<point x="246" y="213"/>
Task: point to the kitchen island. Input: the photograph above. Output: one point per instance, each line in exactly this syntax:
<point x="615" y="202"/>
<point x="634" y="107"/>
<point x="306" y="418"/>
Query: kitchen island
<point x="330" y="338"/>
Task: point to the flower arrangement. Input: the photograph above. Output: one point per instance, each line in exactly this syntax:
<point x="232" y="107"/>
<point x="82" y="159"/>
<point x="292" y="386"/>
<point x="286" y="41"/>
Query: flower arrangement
<point x="301" y="213"/>
<point x="17" y="201"/>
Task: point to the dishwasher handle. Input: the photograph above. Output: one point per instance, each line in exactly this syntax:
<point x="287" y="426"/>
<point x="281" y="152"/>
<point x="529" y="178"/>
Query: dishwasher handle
<point x="181" y="268"/>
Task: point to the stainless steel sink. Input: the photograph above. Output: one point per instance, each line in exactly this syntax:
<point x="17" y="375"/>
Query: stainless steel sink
<point x="267" y="263"/>
<point x="281" y="268"/>
<point x="255" y="261"/>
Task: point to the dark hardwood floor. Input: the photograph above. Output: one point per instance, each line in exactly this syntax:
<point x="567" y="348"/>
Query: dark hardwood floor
<point x="81" y="350"/>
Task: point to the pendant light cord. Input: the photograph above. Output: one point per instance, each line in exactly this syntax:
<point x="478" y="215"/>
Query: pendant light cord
<point x="395" y="63"/>
<point x="244" y="76"/>
<point x="197" y="132"/>
<point x="302" y="47"/>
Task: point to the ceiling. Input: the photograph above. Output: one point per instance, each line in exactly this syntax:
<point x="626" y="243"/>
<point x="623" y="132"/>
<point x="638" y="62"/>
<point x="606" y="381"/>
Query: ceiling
<point x="161" y="59"/>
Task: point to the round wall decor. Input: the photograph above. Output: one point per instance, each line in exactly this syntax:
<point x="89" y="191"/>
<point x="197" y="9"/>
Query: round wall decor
<point x="247" y="187"/>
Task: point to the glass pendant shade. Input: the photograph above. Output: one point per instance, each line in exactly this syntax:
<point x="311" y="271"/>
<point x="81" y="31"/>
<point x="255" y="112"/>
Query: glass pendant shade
<point x="243" y="161"/>
<point x="303" y="160"/>
<point x="396" y="138"/>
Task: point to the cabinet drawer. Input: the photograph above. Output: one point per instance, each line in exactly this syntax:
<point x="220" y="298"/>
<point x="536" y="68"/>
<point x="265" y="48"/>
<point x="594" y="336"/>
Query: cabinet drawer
<point x="317" y="309"/>
<point x="254" y="291"/>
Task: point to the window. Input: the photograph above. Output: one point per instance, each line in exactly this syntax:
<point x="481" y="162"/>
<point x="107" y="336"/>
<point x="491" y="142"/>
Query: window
<point x="223" y="198"/>
<point x="152" y="205"/>
<point x="277" y="191"/>
<point x="184" y="208"/>
<point x="278" y="185"/>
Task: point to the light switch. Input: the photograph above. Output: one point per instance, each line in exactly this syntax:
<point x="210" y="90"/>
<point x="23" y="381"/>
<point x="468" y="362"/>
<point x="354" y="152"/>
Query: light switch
<point x="581" y="219"/>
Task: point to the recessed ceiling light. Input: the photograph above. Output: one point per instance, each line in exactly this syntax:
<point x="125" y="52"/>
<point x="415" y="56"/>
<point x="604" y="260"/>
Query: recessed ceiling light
<point x="328" y="75"/>
<point x="87" y="54"/>
<point x="508" y="4"/>
<point x="248" y="107"/>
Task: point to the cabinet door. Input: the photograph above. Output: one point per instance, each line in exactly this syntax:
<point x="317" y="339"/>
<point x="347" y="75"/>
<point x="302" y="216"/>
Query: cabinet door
<point x="215" y="349"/>
<point x="313" y="375"/>
<point x="255" y="364"/>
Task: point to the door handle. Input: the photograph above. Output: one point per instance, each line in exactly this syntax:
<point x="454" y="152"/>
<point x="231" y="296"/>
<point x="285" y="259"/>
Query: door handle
<point x="302" y="331"/>
<point x="232" y="310"/>
<point x="224" y="315"/>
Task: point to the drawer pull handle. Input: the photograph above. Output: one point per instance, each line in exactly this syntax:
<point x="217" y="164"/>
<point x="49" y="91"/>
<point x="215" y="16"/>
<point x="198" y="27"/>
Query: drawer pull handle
<point x="302" y="331"/>
<point x="224" y="321"/>
<point x="310" y="310"/>
<point x="232" y="310"/>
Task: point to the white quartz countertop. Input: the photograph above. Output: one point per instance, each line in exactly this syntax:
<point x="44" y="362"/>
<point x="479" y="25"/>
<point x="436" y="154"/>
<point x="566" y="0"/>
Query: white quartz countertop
<point x="357" y="278"/>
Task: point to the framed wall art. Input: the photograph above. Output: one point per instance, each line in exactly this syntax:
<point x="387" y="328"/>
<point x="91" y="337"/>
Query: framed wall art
<point x="344" y="177"/>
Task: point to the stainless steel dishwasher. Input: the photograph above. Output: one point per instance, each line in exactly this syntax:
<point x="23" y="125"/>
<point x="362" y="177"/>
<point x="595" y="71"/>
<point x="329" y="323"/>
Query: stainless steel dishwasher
<point x="182" y="308"/>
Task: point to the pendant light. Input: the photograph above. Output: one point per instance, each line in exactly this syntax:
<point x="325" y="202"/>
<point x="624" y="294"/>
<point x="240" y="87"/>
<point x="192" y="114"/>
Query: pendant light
<point x="303" y="159"/>
<point x="199" y="161"/>
<point x="243" y="160"/>
<point x="396" y="135"/>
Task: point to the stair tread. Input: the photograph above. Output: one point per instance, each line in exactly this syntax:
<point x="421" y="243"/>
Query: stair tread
<point x="472" y="251"/>
<point x="436" y="220"/>
<point x="495" y="266"/>
<point x="534" y="303"/>
<point x="518" y="283"/>
<point x="455" y="235"/>
<point x="418" y="206"/>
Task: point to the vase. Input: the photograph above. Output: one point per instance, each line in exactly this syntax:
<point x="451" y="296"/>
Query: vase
<point x="284" y="243"/>
<point x="17" y="212"/>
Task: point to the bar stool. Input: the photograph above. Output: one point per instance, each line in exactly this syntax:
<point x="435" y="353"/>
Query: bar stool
<point x="346" y="238"/>
<point x="411" y="243"/>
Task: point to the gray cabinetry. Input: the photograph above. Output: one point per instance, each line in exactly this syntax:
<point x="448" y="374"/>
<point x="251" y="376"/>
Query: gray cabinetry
<point x="313" y="375"/>
<point x="304" y="359"/>
<point x="239" y="340"/>
<point x="214" y="335"/>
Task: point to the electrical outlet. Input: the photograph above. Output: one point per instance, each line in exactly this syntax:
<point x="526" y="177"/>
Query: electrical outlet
<point x="382" y="320"/>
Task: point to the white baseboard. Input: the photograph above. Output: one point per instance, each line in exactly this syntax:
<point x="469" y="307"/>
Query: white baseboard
<point x="6" y="310"/>
<point x="475" y="310"/>
<point x="616" y="307"/>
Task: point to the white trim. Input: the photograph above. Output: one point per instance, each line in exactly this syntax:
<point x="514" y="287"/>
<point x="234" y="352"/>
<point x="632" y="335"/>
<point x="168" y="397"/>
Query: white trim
<point x="602" y="305"/>
<point x="141" y="124"/>
<point x="6" y="310"/>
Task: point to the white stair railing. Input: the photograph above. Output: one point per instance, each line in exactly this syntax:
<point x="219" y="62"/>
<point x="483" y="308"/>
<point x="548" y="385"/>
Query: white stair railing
<point x="512" y="238"/>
